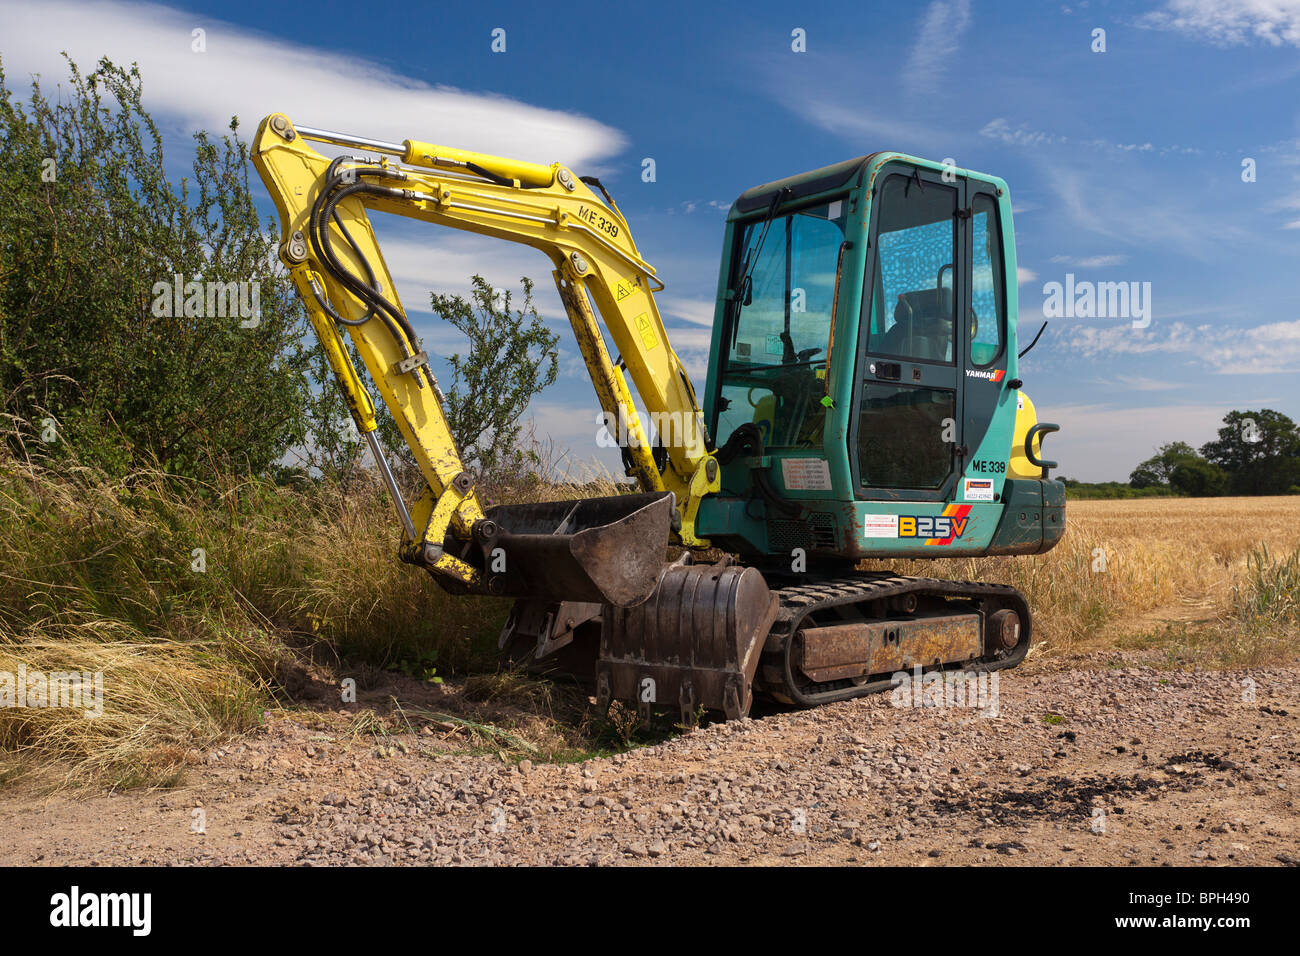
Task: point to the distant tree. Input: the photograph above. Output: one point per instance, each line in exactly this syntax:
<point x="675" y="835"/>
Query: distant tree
<point x="1159" y="468"/>
<point x="1198" y="478"/>
<point x="1260" y="451"/>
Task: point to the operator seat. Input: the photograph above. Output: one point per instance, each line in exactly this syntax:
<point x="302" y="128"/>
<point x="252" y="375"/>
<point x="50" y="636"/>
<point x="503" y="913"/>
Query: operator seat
<point x="922" y="326"/>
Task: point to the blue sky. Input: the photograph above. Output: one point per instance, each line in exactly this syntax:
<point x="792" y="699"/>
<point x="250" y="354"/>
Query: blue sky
<point x="1124" y="165"/>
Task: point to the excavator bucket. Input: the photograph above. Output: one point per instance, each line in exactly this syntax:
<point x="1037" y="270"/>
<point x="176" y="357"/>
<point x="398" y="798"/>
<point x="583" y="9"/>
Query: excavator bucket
<point x="695" y="643"/>
<point x="607" y="550"/>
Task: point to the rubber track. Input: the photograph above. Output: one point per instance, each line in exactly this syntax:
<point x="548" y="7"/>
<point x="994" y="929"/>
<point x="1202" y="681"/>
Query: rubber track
<point x="776" y="675"/>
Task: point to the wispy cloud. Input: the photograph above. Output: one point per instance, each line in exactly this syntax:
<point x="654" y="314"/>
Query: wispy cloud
<point x="691" y="343"/>
<point x="874" y="131"/>
<point x="428" y="259"/>
<point x="936" y="46"/>
<point x="1271" y="348"/>
<point x="1140" y="210"/>
<point x="1090" y="262"/>
<point x="1230" y="22"/>
<point x="1002" y="131"/>
<point x="695" y="311"/>
<point x="248" y="74"/>
<point x="1139" y="384"/>
<point x="1023" y="134"/>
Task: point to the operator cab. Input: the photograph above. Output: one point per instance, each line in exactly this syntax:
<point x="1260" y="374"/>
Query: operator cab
<point x="865" y="327"/>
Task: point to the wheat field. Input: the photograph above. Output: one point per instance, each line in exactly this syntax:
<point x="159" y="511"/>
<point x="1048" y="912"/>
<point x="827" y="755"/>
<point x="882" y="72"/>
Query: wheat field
<point x="1217" y="568"/>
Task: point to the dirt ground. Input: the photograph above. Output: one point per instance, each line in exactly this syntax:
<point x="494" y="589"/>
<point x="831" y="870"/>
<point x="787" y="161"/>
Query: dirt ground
<point x="1100" y="759"/>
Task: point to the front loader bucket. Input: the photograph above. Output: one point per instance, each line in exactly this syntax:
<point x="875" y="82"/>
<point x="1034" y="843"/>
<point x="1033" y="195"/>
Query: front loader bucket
<point x="608" y="550"/>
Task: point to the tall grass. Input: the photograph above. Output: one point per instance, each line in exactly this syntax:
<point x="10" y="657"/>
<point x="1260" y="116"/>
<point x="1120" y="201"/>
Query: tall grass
<point x="101" y="575"/>
<point x="1265" y="608"/>
<point x="191" y="599"/>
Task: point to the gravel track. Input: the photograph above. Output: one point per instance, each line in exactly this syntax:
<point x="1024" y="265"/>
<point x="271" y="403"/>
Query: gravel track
<point x="1124" y="766"/>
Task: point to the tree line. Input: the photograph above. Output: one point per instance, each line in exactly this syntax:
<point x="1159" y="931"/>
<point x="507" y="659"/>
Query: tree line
<point x="1256" y="453"/>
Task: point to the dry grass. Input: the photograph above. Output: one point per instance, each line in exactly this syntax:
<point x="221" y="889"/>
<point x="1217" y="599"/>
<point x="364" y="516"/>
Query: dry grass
<point x="97" y="576"/>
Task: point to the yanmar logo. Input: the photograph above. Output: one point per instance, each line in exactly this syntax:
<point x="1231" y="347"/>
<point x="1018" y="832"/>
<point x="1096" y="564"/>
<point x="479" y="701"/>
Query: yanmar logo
<point x="992" y="374"/>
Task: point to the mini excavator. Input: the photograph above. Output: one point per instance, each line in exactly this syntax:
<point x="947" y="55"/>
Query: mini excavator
<point x="862" y="401"/>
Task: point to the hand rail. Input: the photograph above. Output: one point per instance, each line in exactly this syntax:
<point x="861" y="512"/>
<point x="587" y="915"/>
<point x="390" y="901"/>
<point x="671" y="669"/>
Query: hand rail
<point x="1042" y="428"/>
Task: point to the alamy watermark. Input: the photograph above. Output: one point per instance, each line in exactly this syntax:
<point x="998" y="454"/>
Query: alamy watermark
<point x="675" y="429"/>
<point x="131" y="911"/>
<point x="977" y="690"/>
<point x="212" y="299"/>
<point x="1098" y="300"/>
<point x="74" y="690"/>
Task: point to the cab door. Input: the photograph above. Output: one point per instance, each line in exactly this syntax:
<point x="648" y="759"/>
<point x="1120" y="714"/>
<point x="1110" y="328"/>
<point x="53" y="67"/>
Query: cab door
<point x="985" y="329"/>
<point x="912" y="355"/>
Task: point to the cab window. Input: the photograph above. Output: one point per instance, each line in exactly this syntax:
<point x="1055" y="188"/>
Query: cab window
<point x="783" y="294"/>
<point x="988" y="283"/>
<point x="913" y="306"/>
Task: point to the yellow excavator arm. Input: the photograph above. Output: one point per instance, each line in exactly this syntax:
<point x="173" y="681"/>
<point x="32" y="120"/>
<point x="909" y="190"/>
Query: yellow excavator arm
<point x="335" y="263"/>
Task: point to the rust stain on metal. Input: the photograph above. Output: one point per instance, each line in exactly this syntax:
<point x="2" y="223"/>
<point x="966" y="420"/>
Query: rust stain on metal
<point x="839" y="651"/>
<point x="606" y="550"/>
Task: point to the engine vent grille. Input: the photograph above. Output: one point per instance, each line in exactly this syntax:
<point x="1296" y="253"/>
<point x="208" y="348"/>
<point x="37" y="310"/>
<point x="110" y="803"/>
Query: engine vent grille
<point x="823" y="530"/>
<point x="816" y="533"/>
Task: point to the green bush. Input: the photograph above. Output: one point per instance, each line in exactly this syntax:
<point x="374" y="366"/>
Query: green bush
<point x="94" y="354"/>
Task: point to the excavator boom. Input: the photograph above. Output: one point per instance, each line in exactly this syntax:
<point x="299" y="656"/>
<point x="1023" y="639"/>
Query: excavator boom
<point x="336" y="265"/>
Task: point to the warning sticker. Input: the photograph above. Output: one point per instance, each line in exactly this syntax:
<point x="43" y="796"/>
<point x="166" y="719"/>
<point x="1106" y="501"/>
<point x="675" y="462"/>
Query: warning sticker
<point x="627" y="287"/>
<point x="880" y="526"/>
<point x="647" y="331"/>
<point x="806" y="474"/>
<point x="978" y="489"/>
<point x="1020" y="401"/>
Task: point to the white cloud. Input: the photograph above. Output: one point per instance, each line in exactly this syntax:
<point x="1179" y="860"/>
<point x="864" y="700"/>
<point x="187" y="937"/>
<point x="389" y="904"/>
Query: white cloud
<point x="1000" y="129"/>
<point x="423" y="259"/>
<point x="434" y="259"/>
<point x="1021" y="135"/>
<point x="1024" y="275"/>
<point x="1090" y="262"/>
<point x="936" y="45"/>
<point x="1140" y="384"/>
<point x="1139" y="211"/>
<point x="691" y="343"/>
<point x="1230" y="22"/>
<point x="248" y="74"/>
<point x="854" y="123"/>
<point x="1272" y="348"/>
<point x="695" y="311"/>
